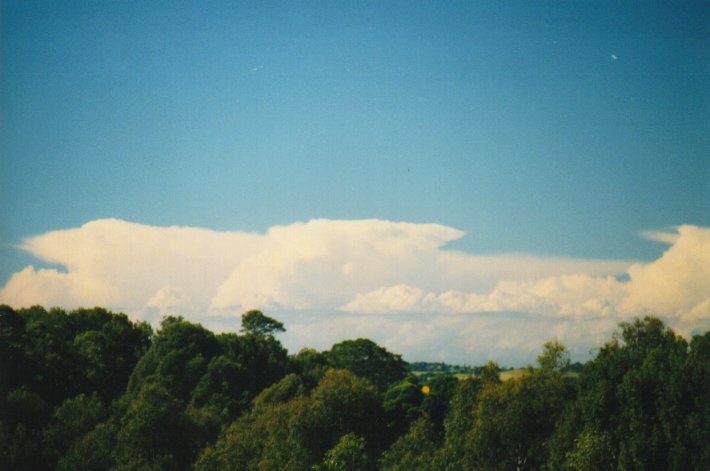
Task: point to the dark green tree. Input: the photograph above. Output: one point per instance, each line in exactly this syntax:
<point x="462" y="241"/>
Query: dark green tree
<point x="311" y="365"/>
<point x="264" y="357"/>
<point x="402" y="403"/>
<point x="177" y="358"/>
<point x="347" y="455"/>
<point x="256" y="323"/>
<point x="367" y="359"/>
<point x="224" y="390"/>
<point x="73" y="419"/>
<point x="436" y="402"/>
<point x="515" y="419"/>
<point x="696" y="439"/>
<point x="156" y="432"/>
<point x="459" y="421"/>
<point x="632" y="405"/>
<point x="414" y="451"/>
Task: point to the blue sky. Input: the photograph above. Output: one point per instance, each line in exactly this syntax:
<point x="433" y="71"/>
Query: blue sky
<point x="544" y="128"/>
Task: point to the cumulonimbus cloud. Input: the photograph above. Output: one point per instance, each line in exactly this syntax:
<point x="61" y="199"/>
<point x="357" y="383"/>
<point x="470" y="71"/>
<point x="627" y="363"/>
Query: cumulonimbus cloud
<point x="676" y="286"/>
<point x="320" y="264"/>
<point x="378" y="269"/>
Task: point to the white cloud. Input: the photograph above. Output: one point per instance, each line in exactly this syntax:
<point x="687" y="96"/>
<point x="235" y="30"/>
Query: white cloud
<point x="567" y="295"/>
<point x="664" y="237"/>
<point x="679" y="281"/>
<point x="51" y="287"/>
<point x="360" y="273"/>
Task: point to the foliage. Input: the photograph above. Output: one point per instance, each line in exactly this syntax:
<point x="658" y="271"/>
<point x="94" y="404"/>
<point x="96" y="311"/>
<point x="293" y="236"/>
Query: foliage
<point x="348" y="455"/>
<point x="91" y="390"/>
<point x="367" y="359"/>
<point x="47" y="358"/>
<point x="256" y="323"/>
<point x="290" y="430"/>
<point x="413" y="451"/>
<point x="640" y="404"/>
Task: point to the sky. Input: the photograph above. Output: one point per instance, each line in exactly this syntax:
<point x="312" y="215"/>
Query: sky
<point x="458" y="181"/>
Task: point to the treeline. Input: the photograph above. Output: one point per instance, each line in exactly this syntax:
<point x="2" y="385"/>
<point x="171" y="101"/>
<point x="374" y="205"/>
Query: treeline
<point x="91" y="390"/>
<point x="426" y="370"/>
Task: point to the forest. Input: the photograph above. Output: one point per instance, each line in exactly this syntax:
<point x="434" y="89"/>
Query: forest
<point x="90" y="389"/>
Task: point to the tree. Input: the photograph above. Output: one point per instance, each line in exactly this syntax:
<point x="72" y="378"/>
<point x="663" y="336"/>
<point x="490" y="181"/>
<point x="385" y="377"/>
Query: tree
<point x="633" y="404"/>
<point x="342" y="403"/>
<point x="12" y="355"/>
<point x="93" y="452"/>
<point x="490" y="374"/>
<point x="367" y="359"/>
<point x="263" y="357"/>
<point x="178" y="358"/>
<point x="348" y="455"/>
<point x="73" y="419"/>
<point x="697" y="422"/>
<point x="436" y="402"/>
<point x="513" y="422"/>
<point x="224" y="389"/>
<point x="311" y="365"/>
<point x="459" y="421"/>
<point x="402" y="403"/>
<point x="256" y="323"/>
<point x="156" y="431"/>
<point x="415" y="451"/>
<point x="554" y="357"/>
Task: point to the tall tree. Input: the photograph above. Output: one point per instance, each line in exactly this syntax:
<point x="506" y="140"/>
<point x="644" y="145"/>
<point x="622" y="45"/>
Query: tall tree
<point x="256" y="323"/>
<point x="632" y="405"/>
<point x="367" y="359"/>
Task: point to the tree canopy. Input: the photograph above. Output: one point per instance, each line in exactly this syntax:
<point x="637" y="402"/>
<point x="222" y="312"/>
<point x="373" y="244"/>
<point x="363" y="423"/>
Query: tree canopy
<point x="91" y="390"/>
<point x="256" y="323"/>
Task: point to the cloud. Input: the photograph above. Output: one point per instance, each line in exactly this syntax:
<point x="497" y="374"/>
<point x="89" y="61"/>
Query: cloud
<point x="664" y="237"/>
<point x="676" y="287"/>
<point x="568" y="295"/>
<point x="678" y="283"/>
<point x="391" y="281"/>
<point x="48" y="286"/>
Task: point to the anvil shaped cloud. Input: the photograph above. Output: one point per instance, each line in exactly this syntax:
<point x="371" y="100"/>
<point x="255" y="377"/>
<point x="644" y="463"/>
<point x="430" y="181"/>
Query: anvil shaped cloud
<point x="391" y="281"/>
<point x="320" y="264"/>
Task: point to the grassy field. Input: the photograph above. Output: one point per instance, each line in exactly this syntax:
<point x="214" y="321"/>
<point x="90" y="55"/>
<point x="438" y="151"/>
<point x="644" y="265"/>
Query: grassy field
<point x="504" y="375"/>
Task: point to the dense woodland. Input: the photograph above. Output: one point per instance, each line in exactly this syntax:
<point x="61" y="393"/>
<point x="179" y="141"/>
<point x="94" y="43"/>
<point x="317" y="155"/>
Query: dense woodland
<point x="91" y="390"/>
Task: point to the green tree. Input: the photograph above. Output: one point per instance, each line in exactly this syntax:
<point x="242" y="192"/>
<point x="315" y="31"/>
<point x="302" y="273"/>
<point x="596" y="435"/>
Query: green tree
<point x="367" y="359"/>
<point x="402" y="403"/>
<point x="414" y="451"/>
<point x="155" y="431"/>
<point x="340" y="404"/>
<point x="224" y="389"/>
<point x="12" y="355"/>
<point x="311" y="365"/>
<point x="73" y="419"/>
<point x="256" y="323"/>
<point x="632" y="406"/>
<point x="93" y="452"/>
<point x="347" y="455"/>
<point x="490" y="374"/>
<point x="287" y="429"/>
<point x="515" y="419"/>
<point x="697" y="422"/>
<point x="263" y="357"/>
<point x="436" y="402"/>
<point x="26" y="414"/>
<point x="108" y="345"/>
<point x="178" y="358"/>
<point x="554" y="357"/>
<point x="459" y="421"/>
